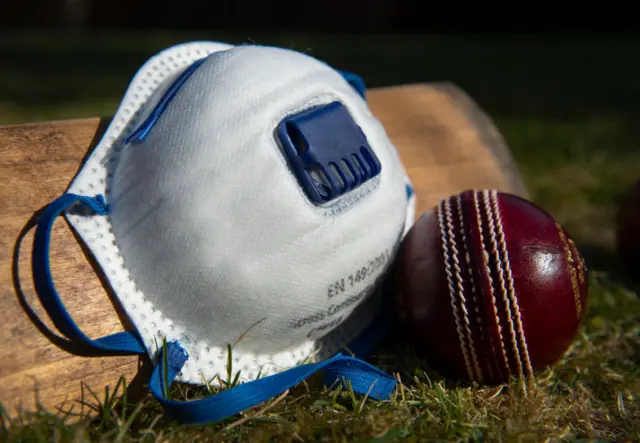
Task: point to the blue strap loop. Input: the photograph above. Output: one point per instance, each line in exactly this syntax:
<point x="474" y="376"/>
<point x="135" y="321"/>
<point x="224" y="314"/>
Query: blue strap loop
<point x="121" y="342"/>
<point x="363" y="378"/>
<point x="356" y="82"/>
<point x="143" y="130"/>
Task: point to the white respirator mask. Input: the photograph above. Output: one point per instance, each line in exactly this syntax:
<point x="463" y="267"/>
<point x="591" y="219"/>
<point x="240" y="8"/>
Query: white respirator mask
<point x="243" y="198"/>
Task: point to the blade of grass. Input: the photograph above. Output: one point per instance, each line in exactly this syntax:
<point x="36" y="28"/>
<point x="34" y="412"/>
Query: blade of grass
<point x="124" y="429"/>
<point x="165" y="369"/>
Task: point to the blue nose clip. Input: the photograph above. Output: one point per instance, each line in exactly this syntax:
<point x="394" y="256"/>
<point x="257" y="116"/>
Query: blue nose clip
<point x="328" y="152"/>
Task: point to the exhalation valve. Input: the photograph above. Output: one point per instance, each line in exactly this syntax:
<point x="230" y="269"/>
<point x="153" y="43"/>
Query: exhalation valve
<point x="327" y="150"/>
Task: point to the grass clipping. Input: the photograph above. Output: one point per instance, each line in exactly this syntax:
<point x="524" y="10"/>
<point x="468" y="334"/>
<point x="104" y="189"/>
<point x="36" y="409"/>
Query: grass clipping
<point x="592" y="393"/>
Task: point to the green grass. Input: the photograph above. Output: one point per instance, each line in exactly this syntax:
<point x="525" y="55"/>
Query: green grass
<point x="568" y="110"/>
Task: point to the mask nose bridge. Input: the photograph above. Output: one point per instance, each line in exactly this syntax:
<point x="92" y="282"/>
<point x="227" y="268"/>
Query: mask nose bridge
<point x="141" y="132"/>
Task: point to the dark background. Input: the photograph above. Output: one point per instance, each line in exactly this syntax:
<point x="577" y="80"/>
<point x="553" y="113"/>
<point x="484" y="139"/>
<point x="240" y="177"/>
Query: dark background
<point x="52" y="51"/>
<point x="316" y="15"/>
<point x="372" y="15"/>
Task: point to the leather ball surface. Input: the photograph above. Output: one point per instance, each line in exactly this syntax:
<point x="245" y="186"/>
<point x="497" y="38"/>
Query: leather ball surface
<point x="487" y="286"/>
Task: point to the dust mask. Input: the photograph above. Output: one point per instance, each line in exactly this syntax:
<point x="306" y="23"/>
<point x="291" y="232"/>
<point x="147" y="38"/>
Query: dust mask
<point x="243" y="199"/>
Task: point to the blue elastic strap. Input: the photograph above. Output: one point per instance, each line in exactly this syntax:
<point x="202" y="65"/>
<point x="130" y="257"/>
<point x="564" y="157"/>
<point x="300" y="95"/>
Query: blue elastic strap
<point x="409" y="190"/>
<point x="121" y="342"/>
<point x="143" y="130"/>
<point x="361" y="348"/>
<point x="356" y="82"/>
<point x="362" y="377"/>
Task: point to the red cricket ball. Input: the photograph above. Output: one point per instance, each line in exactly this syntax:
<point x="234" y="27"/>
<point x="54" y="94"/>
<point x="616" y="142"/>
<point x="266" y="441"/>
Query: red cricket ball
<point x="487" y="286"/>
<point x="628" y="231"/>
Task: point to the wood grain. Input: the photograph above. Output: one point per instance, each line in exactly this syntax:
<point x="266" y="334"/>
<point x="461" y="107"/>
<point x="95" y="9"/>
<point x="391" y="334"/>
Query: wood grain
<point x="446" y="142"/>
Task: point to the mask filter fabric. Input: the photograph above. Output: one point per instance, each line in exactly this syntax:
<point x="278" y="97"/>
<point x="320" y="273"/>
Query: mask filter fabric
<point x="243" y="199"/>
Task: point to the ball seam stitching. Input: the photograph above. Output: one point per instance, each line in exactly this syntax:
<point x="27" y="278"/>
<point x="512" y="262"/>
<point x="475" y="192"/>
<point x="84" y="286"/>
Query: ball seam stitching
<point x="472" y="346"/>
<point x="515" y="311"/>
<point x="454" y="308"/>
<point x="485" y="256"/>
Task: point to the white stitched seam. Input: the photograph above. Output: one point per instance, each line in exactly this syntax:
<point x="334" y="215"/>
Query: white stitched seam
<point x="485" y="256"/>
<point x="452" y="291"/>
<point x="493" y="220"/>
<point x="473" y="292"/>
